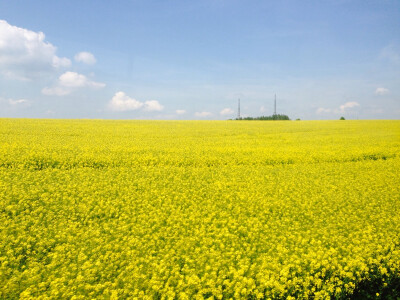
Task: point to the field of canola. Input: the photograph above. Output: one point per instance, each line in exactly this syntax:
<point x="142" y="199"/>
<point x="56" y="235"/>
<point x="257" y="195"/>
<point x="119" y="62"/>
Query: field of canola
<point x="199" y="209"/>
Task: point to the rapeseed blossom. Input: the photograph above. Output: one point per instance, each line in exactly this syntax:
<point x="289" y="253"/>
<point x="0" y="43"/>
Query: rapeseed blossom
<point x="194" y="210"/>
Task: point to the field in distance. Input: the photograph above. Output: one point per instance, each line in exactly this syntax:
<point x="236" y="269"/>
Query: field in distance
<point x="199" y="209"/>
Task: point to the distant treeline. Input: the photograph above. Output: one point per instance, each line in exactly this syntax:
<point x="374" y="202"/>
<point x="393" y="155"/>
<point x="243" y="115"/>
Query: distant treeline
<point x="266" y="118"/>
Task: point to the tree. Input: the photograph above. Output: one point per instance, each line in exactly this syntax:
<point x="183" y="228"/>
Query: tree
<point x="342" y="118"/>
<point x="266" y="118"/>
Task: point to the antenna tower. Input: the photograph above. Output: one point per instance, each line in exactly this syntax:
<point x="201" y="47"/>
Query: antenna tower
<point x="275" y="106"/>
<point x="238" y="116"/>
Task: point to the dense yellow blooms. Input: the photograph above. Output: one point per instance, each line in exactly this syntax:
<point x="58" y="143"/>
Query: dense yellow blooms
<point x="193" y="210"/>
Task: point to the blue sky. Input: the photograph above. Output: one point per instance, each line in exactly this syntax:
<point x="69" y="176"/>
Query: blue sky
<point x="194" y="59"/>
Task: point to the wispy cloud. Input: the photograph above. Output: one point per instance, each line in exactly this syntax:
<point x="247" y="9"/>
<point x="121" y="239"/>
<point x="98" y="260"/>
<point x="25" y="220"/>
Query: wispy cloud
<point x="381" y="91"/>
<point x="203" y="114"/>
<point x="55" y="91"/>
<point x="341" y="109"/>
<point x="348" y="105"/>
<point x="50" y="112"/>
<point x="15" y="103"/>
<point x="19" y="102"/>
<point x="322" y="110"/>
<point x="180" y="111"/>
<point x="226" y="111"/>
<point x="85" y="57"/>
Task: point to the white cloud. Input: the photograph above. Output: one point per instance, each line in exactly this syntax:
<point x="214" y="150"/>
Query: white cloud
<point x="25" y="55"/>
<point x="61" y="62"/>
<point x="55" y="91"/>
<point x="68" y="82"/>
<point x="203" y="114"/>
<point x="381" y="91"/>
<point x="18" y="102"/>
<point x="342" y="108"/>
<point x="226" y="111"/>
<point x="86" y="58"/>
<point x="15" y="103"/>
<point x="73" y="79"/>
<point x="122" y="102"/>
<point x="180" y="111"/>
<point x="348" y="105"/>
<point x="153" y="105"/>
<point x="321" y="110"/>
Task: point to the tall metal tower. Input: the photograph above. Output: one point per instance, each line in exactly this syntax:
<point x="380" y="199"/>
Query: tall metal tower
<point x="238" y="116"/>
<point x="275" y="106"/>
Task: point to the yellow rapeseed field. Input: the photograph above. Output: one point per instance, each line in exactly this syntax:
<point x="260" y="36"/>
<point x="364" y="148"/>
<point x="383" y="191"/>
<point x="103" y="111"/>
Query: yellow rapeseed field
<point x="198" y="209"/>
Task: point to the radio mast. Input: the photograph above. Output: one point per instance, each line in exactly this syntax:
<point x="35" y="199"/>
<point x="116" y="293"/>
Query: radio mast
<point x="275" y="106"/>
<point x="238" y="115"/>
